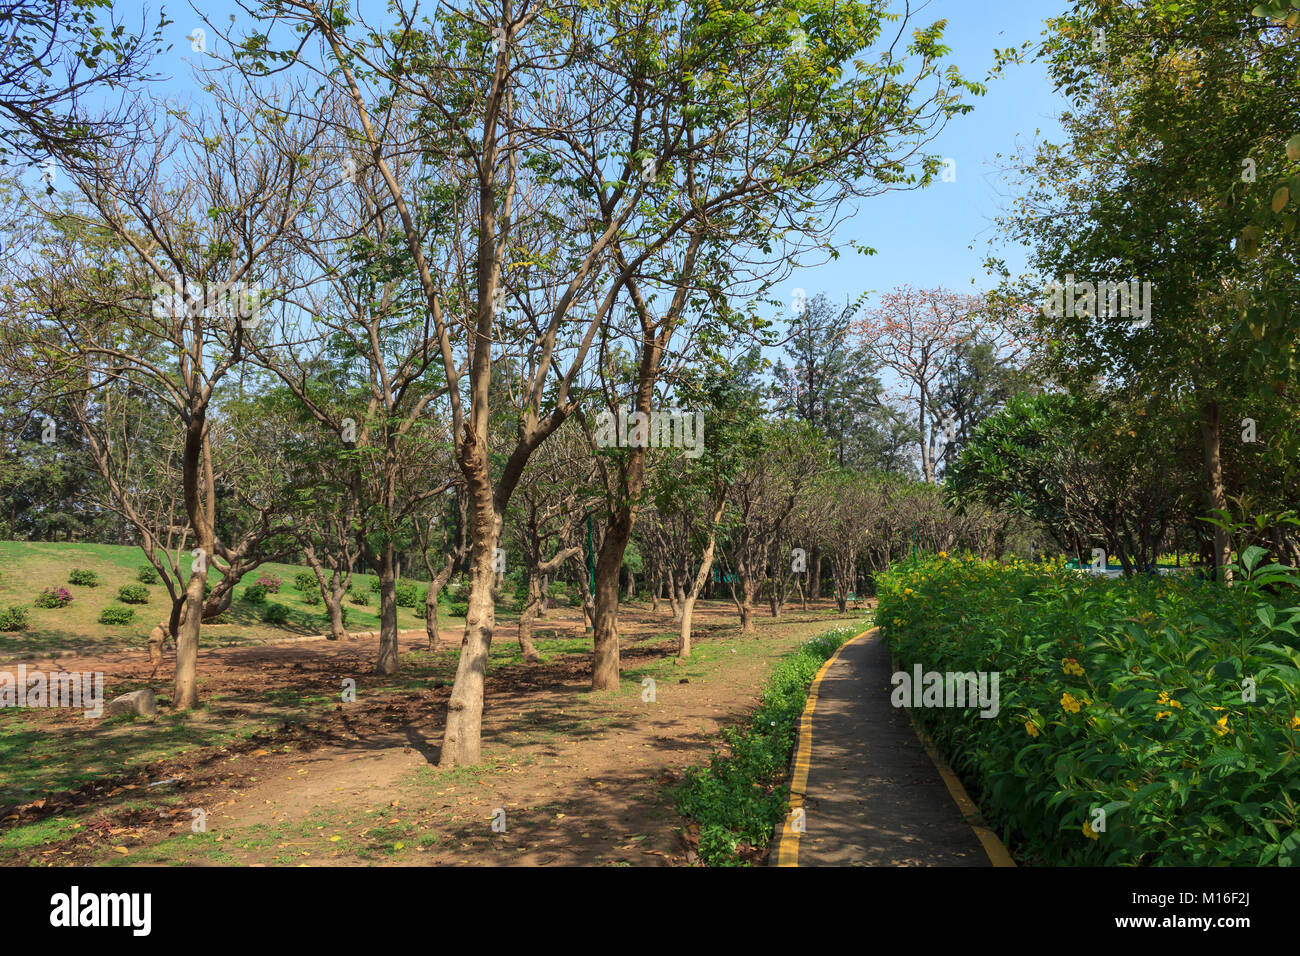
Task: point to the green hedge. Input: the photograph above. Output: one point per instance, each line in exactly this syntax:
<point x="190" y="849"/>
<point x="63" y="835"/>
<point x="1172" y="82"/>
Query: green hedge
<point x="133" y="594"/>
<point x="116" y="614"/>
<point x="83" y="578"/>
<point x="1124" y="696"/>
<point x="740" y="796"/>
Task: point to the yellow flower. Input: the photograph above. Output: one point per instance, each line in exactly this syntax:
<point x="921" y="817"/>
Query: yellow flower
<point x="943" y="554"/>
<point x="898" y="620"/>
<point x="1221" y="725"/>
<point x="907" y="590"/>
<point x="1295" y="722"/>
<point x="1073" y="704"/>
<point x="1164" y="698"/>
<point x="1089" y="832"/>
<point x="1071" y="666"/>
<point x="1162" y="714"/>
<point x="1031" y="728"/>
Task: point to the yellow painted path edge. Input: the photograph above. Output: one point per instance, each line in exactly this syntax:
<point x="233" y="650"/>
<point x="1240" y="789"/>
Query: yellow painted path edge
<point x="788" y="846"/>
<point x="787" y="853"/>
<point x="997" y="852"/>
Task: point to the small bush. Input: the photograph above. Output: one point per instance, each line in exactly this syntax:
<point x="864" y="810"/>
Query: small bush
<point x="407" y="594"/>
<point x="275" y="614"/>
<point x="255" y="594"/>
<point x="54" y="597"/>
<point x="311" y="598"/>
<point x="270" y="582"/>
<point x="133" y="594"/>
<point x="13" y="618"/>
<point x="147" y="574"/>
<point x="458" y="608"/>
<point x="374" y="585"/>
<point x="116" y="614"/>
<point x="83" y="578"/>
<point x="359" y="597"/>
<point x="305" y="581"/>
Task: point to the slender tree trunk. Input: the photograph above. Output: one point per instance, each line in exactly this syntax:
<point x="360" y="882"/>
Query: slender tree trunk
<point x="697" y="585"/>
<point x="535" y="600"/>
<point x="461" y="738"/>
<point x="814" y="574"/>
<point x="605" y="661"/>
<point x="436" y="584"/>
<point x="387" y="661"/>
<point x="1214" y="493"/>
<point x="185" y="692"/>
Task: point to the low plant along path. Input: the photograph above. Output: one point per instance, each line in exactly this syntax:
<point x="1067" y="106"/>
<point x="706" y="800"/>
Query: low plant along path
<point x="870" y="794"/>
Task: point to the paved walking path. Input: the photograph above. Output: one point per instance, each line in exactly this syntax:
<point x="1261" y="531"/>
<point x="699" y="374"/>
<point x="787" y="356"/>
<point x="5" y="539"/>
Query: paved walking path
<point x="871" y="795"/>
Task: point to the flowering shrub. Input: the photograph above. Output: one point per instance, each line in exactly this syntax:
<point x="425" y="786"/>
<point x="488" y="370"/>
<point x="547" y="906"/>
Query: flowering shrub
<point x="1168" y="705"/>
<point x="270" y="582"/>
<point x="54" y="597"/>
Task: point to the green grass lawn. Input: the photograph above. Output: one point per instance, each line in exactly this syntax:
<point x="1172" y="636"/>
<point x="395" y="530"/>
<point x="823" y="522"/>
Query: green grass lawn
<point x="27" y="568"/>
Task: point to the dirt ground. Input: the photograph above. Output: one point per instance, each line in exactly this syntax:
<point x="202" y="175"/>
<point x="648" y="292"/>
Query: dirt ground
<point x="568" y="777"/>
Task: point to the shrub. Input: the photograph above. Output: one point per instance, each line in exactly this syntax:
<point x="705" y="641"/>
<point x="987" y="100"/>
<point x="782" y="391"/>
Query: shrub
<point x="311" y="598"/>
<point x="275" y="614"/>
<point x="83" y="578"/>
<point x="359" y="597"/>
<point x="54" y="597"/>
<point x="255" y="594"/>
<point x="305" y="581"/>
<point x="457" y="608"/>
<point x="270" y="582"/>
<point x="13" y="618"/>
<point x="133" y="594"/>
<point x="147" y="574"/>
<point x="116" y="614"/>
<point x="739" y="798"/>
<point x="374" y="585"/>
<point x="1124" y="696"/>
<point x="407" y="594"/>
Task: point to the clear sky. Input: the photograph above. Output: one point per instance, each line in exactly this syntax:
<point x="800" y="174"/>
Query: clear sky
<point x="938" y="236"/>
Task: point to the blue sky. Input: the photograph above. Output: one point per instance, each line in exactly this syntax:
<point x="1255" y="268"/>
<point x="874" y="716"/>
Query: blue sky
<point x="938" y="236"/>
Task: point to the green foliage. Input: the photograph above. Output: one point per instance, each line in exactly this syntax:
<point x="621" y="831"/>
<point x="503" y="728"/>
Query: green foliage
<point x="83" y="578"/>
<point x="407" y="594"/>
<point x="54" y="597"/>
<point x="740" y="796"/>
<point x="13" y="618"/>
<point x="147" y="574"/>
<point x="361" y="598"/>
<point x="117" y="615"/>
<point x="1167" y="703"/>
<point x="305" y="581"/>
<point x="458" y="608"/>
<point x="255" y="594"/>
<point x="133" y="594"/>
<point x="311" y="598"/>
<point x="275" y="614"/>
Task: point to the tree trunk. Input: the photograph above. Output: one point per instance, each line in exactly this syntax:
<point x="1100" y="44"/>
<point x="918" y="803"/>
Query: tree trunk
<point x="605" y="661"/>
<point x="387" y="661"/>
<point x="185" y="691"/>
<point x="461" y="738"/>
<point x="1214" y="493"/>
<point x="535" y="600"/>
<point x="814" y="574"/>
<point x="697" y="585"/>
<point x="436" y="584"/>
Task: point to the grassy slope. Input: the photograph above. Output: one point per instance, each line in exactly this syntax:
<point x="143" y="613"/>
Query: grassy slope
<point x="27" y="568"/>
